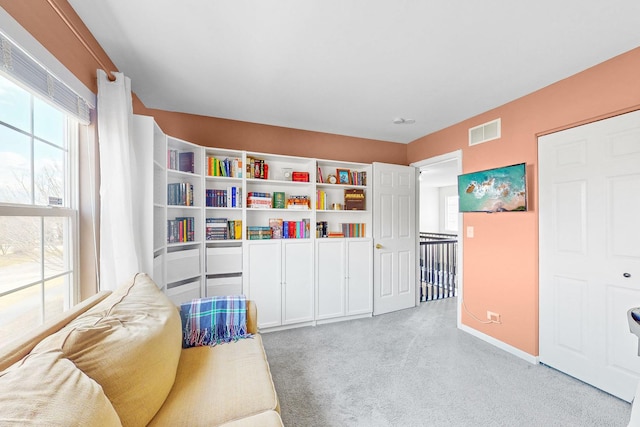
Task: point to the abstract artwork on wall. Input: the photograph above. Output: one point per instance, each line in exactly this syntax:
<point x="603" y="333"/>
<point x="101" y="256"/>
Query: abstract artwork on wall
<point x="494" y="190"/>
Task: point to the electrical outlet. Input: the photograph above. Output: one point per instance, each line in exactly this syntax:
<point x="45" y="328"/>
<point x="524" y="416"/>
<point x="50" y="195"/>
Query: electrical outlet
<point x="494" y="317"/>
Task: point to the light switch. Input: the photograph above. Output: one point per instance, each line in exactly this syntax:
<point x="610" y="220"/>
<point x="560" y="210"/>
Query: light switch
<point x="470" y="232"/>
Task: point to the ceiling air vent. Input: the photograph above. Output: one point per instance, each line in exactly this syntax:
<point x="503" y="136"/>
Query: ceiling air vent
<point x="485" y="132"/>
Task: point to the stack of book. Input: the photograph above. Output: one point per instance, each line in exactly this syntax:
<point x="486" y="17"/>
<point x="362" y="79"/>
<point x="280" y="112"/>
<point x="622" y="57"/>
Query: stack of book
<point x="255" y="232"/>
<point x="217" y="229"/>
<point x="299" y="202"/>
<point x="180" y="230"/>
<point x="259" y="200"/>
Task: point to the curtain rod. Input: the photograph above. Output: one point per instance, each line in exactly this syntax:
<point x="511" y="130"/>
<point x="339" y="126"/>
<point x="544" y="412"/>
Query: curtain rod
<point x="75" y="32"/>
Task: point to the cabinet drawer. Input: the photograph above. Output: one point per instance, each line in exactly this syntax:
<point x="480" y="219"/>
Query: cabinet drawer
<point x="224" y="260"/>
<point x="225" y="285"/>
<point x="184" y="293"/>
<point x="157" y="270"/>
<point x="183" y="264"/>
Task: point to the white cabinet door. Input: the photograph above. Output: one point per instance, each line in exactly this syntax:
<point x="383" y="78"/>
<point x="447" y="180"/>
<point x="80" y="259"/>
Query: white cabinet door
<point x="359" y="277"/>
<point x="280" y="281"/>
<point x="330" y="278"/>
<point x="297" y="281"/>
<point x="264" y="262"/>
<point x="344" y="278"/>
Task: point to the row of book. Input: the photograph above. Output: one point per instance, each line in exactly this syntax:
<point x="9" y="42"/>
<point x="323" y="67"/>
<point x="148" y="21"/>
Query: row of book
<point x="181" y="229"/>
<point x="257" y="168"/>
<point x="180" y="160"/>
<point x="321" y="200"/>
<point x="180" y="194"/>
<point x="281" y="229"/>
<point x="223" y="229"/>
<point x="344" y="176"/>
<point x="229" y="198"/>
<point x="346" y="230"/>
<point x="353" y="229"/>
<point x="224" y="167"/>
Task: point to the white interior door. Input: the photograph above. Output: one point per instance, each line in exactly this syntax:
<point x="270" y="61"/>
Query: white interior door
<point x="589" y="178"/>
<point x="394" y="235"/>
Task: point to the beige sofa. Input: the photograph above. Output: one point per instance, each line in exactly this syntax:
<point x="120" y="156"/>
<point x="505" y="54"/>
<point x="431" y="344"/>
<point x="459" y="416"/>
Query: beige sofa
<point x="117" y="359"/>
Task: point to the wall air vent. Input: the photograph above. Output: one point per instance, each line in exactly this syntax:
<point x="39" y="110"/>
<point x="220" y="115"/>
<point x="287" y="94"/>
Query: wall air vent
<point x="485" y="132"/>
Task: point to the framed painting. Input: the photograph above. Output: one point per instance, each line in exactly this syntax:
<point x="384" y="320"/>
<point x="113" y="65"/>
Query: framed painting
<point x="344" y="176"/>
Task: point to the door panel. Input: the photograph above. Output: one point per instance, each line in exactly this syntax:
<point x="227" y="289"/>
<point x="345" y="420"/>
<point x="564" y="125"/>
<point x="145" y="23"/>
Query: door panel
<point x="263" y="277"/>
<point x="359" y="280"/>
<point x="623" y="223"/>
<point x="570" y="200"/>
<point x="330" y="276"/>
<point x="589" y="234"/>
<point x="297" y="279"/>
<point x="385" y="213"/>
<point x="385" y="266"/>
<point x="571" y="296"/>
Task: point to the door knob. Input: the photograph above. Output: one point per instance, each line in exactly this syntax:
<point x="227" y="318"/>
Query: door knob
<point x="378" y="246"/>
<point x="627" y="275"/>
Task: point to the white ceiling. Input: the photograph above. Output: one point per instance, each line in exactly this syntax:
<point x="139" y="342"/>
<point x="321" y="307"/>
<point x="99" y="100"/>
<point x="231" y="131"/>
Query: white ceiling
<point x="350" y="67"/>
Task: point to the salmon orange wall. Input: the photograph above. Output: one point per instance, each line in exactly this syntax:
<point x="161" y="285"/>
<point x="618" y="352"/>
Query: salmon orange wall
<point x="500" y="270"/>
<point x="222" y="133"/>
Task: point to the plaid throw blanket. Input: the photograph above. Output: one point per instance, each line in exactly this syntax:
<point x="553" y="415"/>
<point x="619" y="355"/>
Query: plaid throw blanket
<point x="211" y="321"/>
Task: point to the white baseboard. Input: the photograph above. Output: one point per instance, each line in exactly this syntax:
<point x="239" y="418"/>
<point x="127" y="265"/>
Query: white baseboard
<point x="501" y="345"/>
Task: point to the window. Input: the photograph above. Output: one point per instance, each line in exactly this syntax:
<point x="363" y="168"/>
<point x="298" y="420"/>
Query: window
<point x="451" y="219"/>
<point x="38" y="210"/>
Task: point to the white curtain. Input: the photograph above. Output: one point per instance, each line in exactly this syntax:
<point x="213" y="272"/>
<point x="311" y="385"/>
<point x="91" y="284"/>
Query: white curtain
<point x="119" y="246"/>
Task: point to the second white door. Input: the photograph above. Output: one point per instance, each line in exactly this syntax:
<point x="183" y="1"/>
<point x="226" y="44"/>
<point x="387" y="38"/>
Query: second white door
<point x="395" y="237"/>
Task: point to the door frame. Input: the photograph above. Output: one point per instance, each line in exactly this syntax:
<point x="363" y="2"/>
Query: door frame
<point x="422" y="165"/>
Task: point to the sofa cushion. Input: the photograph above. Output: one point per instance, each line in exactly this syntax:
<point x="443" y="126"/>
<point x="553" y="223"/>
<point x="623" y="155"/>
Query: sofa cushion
<point x="46" y="389"/>
<point x="219" y="384"/>
<point x="264" y="419"/>
<point x="129" y="344"/>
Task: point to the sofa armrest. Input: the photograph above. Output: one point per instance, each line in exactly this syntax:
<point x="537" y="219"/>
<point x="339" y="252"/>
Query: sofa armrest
<point x="252" y="317"/>
<point x="21" y="346"/>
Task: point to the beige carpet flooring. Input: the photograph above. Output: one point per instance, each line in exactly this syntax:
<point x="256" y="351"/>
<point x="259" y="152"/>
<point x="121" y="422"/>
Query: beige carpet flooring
<point x="415" y="368"/>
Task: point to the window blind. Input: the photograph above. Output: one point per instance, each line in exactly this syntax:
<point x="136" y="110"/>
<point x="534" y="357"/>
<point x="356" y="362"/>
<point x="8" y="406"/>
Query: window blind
<point x="21" y="67"/>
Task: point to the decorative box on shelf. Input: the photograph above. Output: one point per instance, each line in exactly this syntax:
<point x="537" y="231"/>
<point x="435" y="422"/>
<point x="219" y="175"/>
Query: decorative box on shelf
<point x="299" y="202"/>
<point x="354" y="199"/>
<point x="300" y="176"/>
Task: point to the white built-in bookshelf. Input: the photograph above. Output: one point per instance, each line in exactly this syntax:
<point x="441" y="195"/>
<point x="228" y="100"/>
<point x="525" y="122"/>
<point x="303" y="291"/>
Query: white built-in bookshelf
<point x="231" y="221"/>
